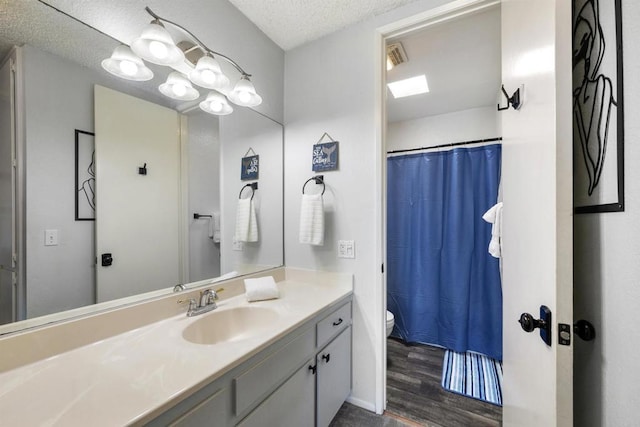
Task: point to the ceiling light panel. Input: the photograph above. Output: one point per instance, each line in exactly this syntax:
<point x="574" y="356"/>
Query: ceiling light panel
<point x="408" y="87"/>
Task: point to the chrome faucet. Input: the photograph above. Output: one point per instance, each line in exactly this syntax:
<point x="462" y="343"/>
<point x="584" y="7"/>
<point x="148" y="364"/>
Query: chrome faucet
<point x="208" y="299"/>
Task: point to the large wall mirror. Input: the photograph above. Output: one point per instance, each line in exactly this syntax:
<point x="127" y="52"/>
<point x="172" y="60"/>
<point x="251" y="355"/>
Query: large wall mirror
<point x="80" y="132"/>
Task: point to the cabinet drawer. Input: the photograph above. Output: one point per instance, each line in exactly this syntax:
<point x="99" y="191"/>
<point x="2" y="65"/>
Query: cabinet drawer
<point x="331" y="325"/>
<point x="253" y="385"/>
<point x="214" y="408"/>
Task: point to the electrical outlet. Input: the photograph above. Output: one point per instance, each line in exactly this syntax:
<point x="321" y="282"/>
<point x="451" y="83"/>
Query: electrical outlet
<point x="237" y="245"/>
<point x="346" y="249"/>
<point x="51" y="237"/>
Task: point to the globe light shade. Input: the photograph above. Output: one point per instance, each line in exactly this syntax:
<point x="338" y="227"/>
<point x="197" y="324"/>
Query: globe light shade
<point x="157" y="46"/>
<point x="208" y="74"/>
<point x="244" y="94"/>
<point x="217" y="104"/>
<point x="178" y="87"/>
<point x="125" y="64"/>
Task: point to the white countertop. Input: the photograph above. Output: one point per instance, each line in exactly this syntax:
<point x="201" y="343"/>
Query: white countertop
<point x="128" y="377"/>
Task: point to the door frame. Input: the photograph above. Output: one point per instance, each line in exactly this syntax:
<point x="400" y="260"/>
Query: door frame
<point x="412" y="23"/>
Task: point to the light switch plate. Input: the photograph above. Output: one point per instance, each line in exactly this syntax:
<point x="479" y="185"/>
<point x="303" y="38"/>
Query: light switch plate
<point x="346" y="249"/>
<point x="50" y="237"/>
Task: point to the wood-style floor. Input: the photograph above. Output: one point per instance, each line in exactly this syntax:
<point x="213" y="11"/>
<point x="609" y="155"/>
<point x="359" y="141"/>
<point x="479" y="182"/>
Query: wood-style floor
<point x="415" y="396"/>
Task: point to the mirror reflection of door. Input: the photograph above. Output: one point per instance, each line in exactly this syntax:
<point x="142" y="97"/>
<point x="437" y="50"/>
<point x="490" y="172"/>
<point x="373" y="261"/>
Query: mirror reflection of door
<point x="137" y="217"/>
<point x="7" y="191"/>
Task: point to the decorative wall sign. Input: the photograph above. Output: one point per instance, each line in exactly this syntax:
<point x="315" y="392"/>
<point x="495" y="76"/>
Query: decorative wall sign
<point x="85" y="176"/>
<point x="250" y="166"/>
<point x="598" y="121"/>
<point x="325" y="156"/>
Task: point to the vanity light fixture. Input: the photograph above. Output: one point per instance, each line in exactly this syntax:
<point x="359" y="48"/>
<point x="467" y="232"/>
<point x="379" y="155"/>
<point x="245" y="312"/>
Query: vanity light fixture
<point x="192" y="61"/>
<point x="408" y="87"/>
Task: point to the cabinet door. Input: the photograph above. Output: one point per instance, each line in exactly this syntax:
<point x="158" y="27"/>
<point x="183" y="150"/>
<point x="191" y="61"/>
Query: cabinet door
<point x="334" y="377"/>
<point x="291" y="405"/>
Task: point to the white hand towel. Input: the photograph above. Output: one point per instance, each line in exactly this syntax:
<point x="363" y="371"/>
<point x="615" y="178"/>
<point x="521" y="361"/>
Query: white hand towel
<point x="246" y="221"/>
<point x="494" y="216"/>
<point x="214" y="227"/>
<point x="262" y="288"/>
<point x="312" y="219"/>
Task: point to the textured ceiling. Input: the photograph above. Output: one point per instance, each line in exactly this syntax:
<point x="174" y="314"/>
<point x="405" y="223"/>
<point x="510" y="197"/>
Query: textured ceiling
<point x="291" y="23"/>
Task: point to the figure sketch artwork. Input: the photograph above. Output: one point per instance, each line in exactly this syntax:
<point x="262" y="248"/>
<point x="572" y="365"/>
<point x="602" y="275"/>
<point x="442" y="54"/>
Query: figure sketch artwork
<point x="597" y="107"/>
<point x="85" y="176"/>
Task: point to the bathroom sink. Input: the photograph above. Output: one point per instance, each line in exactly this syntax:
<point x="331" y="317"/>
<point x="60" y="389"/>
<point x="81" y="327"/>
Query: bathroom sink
<point x="230" y="325"/>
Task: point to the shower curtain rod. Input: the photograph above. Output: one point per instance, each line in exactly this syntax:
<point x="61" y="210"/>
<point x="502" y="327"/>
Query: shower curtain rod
<point x="453" y="144"/>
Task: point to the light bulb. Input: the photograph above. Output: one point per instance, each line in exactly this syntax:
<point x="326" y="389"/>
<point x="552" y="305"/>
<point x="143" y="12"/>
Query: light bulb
<point x="207" y="76"/>
<point x="179" y="89"/>
<point x="158" y="49"/>
<point x="128" y="68"/>
<point x="216" y="106"/>
<point x="244" y="96"/>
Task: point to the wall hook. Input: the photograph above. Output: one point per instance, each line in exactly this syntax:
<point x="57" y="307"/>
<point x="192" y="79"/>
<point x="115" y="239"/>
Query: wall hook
<point x="514" y="100"/>
<point x="143" y="170"/>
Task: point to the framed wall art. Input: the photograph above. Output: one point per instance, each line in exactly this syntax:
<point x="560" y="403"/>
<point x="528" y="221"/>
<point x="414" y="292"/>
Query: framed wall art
<point x="598" y="114"/>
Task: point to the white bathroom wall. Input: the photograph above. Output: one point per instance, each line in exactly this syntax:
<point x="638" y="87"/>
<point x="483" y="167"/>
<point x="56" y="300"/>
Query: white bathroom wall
<point x="606" y="270"/>
<point x="204" y="194"/>
<point x="465" y="125"/>
<point x="330" y="86"/>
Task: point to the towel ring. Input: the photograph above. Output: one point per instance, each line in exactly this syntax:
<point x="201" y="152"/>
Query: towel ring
<point x="253" y="186"/>
<point x="319" y="179"/>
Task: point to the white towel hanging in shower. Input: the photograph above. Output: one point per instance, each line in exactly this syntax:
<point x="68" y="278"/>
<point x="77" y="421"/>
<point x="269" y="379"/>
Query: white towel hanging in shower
<point x="494" y="216"/>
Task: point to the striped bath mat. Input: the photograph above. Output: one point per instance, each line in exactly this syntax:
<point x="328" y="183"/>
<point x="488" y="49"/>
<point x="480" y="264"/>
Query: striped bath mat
<point x="473" y="375"/>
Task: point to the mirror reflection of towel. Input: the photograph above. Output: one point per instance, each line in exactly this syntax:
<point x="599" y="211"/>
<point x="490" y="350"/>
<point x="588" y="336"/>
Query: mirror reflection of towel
<point x="246" y="221"/>
<point x="214" y="227"/>
<point x="312" y="219"/>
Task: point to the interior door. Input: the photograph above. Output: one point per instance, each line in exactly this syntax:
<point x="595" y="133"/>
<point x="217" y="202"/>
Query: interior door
<point x="137" y="215"/>
<point x="537" y="218"/>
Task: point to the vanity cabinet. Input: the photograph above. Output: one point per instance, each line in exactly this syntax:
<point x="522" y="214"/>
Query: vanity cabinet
<point x="300" y="380"/>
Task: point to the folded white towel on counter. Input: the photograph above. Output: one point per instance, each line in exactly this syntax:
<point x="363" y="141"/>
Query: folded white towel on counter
<point x="246" y="221"/>
<point x="494" y="216"/>
<point x="214" y="227"/>
<point x="312" y="219"/>
<point x="261" y="288"/>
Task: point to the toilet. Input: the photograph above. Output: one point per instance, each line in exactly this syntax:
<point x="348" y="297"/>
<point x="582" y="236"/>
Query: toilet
<point x="390" y="322"/>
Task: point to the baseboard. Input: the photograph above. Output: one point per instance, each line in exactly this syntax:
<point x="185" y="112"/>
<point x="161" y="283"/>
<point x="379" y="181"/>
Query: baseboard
<point x="361" y="404"/>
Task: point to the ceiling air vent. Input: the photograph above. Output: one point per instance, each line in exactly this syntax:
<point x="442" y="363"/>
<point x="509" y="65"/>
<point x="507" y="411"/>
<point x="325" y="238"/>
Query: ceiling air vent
<point x="396" y="54"/>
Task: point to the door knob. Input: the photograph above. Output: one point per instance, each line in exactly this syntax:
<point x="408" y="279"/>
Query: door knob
<point x="585" y="330"/>
<point x="530" y="323"/>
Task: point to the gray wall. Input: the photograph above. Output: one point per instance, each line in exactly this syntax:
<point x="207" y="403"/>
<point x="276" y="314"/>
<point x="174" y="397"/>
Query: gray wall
<point x="240" y="131"/>
<point x="58" y="99"/>
<point x="606" y="276"/>
<point x="337" y="96"/>
<point x="204" y="194"/>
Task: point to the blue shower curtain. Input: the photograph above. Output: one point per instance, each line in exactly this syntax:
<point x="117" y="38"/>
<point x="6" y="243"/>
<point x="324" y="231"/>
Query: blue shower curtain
<point x="443" y="286"/>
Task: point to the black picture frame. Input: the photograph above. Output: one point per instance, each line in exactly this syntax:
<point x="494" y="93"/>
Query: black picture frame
<point x="85" y="176"/>
<point x="598" y="138"/>
<point x="250" y="167"/>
